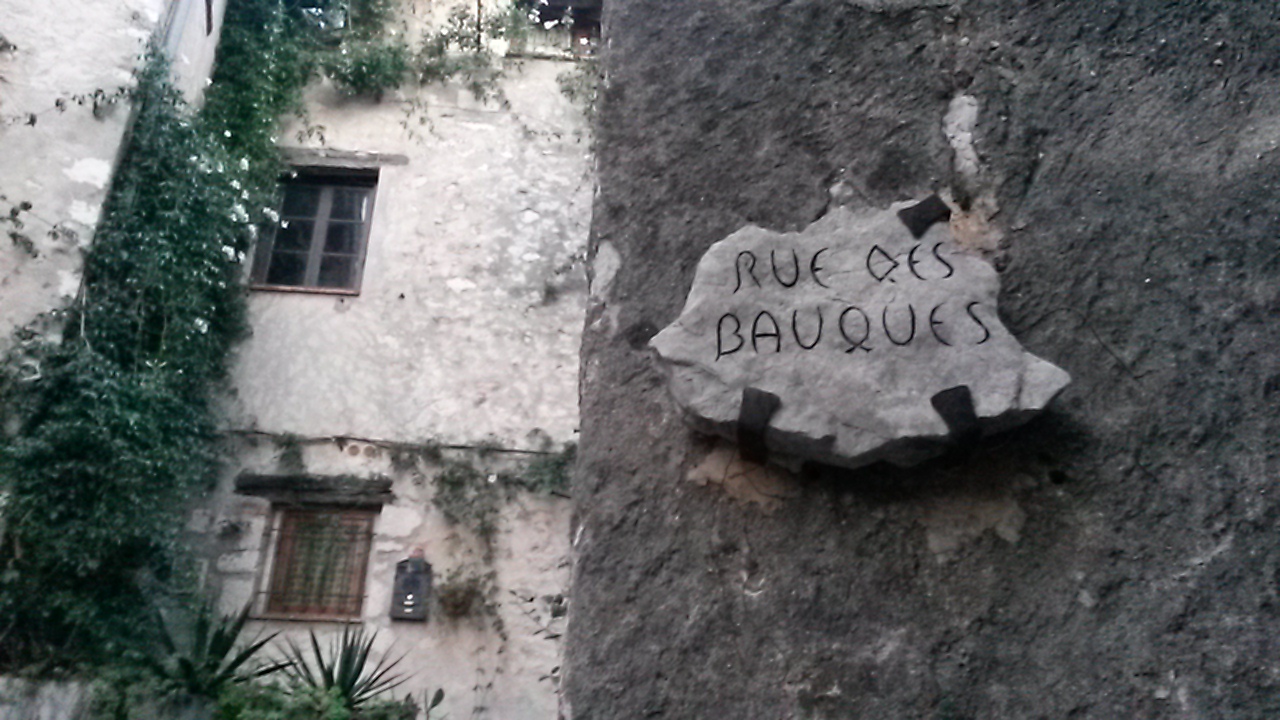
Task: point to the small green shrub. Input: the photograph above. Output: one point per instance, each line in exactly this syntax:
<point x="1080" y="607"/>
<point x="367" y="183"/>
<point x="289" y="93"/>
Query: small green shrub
<point x="369" y="67"/>
<point x="123" y="692"/>
<point x="551" y="474"/>
<point x="291" y="458"/>
<point x="272" y="702"/>
<point x="457" y="51"/>
<point x="581" y="86"/>
<point x="471" y="497"/>
<point x="468" y="497"/>
<point x="465" y="592"/>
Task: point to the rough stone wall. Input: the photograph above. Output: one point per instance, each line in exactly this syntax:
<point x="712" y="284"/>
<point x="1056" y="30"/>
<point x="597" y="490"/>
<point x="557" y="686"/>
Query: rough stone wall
<point x="1115" y="558"/>
<point x="468" y="320"/>
<point x="22" y="699"/>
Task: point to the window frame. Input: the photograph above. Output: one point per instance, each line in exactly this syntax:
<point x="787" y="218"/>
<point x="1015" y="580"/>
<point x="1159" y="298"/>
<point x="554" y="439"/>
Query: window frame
<point x="270" y="579"/>
<point x="327" y="178"/>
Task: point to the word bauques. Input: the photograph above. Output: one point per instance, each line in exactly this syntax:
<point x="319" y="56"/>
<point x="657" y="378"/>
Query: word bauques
<point x="857" y="328"/>
<point x="846" y="326"/>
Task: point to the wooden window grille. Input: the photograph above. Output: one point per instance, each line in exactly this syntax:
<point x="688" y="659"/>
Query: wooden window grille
<point x="321" y="559"/>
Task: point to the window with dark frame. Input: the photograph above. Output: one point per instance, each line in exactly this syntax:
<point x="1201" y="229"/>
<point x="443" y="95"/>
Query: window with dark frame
<point x="320" y="240"/>
<point x="320" y="563"/>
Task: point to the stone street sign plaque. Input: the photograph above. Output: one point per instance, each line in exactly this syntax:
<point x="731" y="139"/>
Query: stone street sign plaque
<point x="865" y="337"/>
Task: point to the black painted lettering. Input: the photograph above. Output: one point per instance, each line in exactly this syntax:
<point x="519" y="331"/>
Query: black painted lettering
<point x="935" y="323"/>
<point x="795" y="269"/>
<point x="814" y="267"/>
<point x="878" y="254"/>
<point x="911" y="262"/>
<point x="950" y="270"/>
<point x="860" y="343"/>
<point x="775" y="334"/>
<point x="969" y="309"/>
<point x="795" y="330"/>
<point x="751" y="268"/>
<point x="884" y="322"/>
<point x="737" y="333"/>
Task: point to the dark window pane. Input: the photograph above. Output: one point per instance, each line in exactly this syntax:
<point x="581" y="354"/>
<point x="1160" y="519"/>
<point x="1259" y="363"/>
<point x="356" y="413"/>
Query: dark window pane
<point x="343" y="238"/>
<point x="294" y="235"/>
<point x="319" y="240"/>
<point x="287" y="268"/>
<point x="335" y="271"/>
<point x="349" y="203"/>
<point x="300" y="201"/>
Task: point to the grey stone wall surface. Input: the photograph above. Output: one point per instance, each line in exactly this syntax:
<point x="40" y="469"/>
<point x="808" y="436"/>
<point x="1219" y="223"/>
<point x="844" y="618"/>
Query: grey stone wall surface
<point x="1117" y="556"/>
<point x="31" y="700"/>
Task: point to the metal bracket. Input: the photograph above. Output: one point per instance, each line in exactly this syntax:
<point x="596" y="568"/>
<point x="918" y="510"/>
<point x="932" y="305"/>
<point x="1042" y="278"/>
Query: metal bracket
<point x="955" y="406"/>
<point x="920" y="217"/>
<point x="757" y="409"/>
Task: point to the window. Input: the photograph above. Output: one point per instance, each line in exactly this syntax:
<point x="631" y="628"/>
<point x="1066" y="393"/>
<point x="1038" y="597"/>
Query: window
<point x="319" y="243"/>
<point x="320" y="562"/>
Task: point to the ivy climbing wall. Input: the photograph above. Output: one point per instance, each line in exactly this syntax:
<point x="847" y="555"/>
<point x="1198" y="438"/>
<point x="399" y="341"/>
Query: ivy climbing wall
<point x="62" y="121"/>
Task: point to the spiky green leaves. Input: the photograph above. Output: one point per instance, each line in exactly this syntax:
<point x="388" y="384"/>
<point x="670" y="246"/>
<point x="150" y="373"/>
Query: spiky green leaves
<point x="344" y="667"/>
<point x="210" y="657"/>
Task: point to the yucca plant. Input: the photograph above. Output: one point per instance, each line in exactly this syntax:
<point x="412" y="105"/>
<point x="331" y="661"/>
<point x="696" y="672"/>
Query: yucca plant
<point x="345" y="667"/>
<point x="210" y="661"/>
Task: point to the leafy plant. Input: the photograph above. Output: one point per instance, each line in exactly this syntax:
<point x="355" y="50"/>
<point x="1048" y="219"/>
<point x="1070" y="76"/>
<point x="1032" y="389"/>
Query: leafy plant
<point x="14" y="220"/>
<point x="457" y="50"/>
<point x="470" y="496"/>
<point x="550" y="474"/>
<point x="467" y="496"/>
<point x="115" y="431"/>
<point x="209" y="661"/>
<point x="334" y="20"/>
<point x="270" y="702"/>
<point x="369" y="67"/>
<point x="291" y="459"/>
<point x="464" y="591"/>
<point x="253" y="701"/>
<point x="581" y="85"/>
<point x="344" y="668"/>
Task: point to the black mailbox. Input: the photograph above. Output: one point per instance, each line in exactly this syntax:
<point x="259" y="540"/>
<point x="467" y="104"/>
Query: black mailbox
<point x="411" y="590"/>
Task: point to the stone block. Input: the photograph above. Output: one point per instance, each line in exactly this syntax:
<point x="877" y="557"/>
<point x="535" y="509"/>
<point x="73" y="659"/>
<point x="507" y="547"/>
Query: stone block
<point x="868" y="336"/>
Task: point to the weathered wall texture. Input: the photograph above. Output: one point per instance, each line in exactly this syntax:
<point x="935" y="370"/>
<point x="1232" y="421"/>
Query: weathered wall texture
<point x="190" y="41"/>
<point x="466" y="331"/>
<point x="25" y="700"/>
<point x="72" y="700"/>
<point x="1115" y="558"/>
<point x="469" y="317"/>
<point x="500" y="658"/>
<point x="58" y="147"/>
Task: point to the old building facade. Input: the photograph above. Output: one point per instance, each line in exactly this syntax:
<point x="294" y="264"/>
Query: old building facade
<point x="408" y="396"/>
<point x="454" y="363"/>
